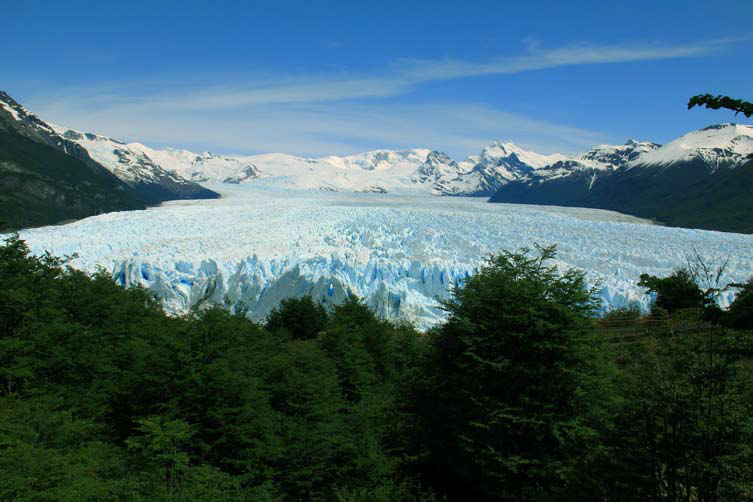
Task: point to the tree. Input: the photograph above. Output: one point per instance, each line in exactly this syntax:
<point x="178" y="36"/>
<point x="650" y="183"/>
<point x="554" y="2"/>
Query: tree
<point x="516" y="384"/>
<point x="300" y="317"/>
<point x="740" y="314"/>
<point x="162" y="441"/>
<point x="683" y="428"/>
<point x="719" y="101"/>
<point x="677" y="291"/>
<point x="28" y="310"/>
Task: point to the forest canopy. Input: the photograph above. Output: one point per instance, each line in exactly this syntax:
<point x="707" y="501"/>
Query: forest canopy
<point x="521" y="394"/>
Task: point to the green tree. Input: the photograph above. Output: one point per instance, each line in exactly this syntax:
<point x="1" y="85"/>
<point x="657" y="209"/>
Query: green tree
<point x="29" y="311"/>
<point x="684" y="427"/>
<point x="319" y="415"/>
<point x="162" y="442"/>
<point x="47" y="453"/>
<point x="740" y="314"/>
<point x="221" y="360"/>
<point x="719" y="101"/>
<point x="677" y="291"/>
<point x="300" y="317"/>
<point x="517" y="381"/>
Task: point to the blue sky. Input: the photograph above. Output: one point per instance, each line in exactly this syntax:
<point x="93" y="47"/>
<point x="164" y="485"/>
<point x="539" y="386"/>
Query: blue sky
<point x="316" y="78"/>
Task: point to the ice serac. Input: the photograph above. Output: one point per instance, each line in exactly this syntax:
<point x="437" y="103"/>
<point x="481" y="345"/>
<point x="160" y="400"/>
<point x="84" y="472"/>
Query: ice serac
<point x="402" y="254"/>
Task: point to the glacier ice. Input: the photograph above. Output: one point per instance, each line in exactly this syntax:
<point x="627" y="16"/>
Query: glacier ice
<point x="401" y="253"/>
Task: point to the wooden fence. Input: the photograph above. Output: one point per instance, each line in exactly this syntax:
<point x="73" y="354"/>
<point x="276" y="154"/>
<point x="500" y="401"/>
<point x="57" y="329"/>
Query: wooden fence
<point x="624" y="328"/>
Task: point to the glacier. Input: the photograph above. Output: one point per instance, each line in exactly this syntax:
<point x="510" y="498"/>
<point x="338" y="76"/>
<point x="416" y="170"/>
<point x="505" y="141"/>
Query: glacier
<point x="402" y="253"/>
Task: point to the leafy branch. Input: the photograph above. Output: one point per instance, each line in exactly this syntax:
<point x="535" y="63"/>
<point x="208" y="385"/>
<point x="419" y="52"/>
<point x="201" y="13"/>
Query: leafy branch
<point x="717" y="102"/>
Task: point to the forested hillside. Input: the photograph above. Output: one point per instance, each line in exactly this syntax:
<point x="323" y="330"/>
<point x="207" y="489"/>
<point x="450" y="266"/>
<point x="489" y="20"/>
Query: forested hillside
<point x="520" y="395"/>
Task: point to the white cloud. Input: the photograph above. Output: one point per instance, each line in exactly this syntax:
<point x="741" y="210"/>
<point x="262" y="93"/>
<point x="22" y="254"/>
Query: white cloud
<point x="339" y="114"/>
<point x="538" y="59"/>
<point x="330" y="128"/>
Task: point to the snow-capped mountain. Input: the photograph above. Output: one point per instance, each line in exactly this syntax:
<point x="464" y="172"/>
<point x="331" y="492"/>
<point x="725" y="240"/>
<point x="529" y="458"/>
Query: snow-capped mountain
<point x="136" y="168"/>
<point x="607" y="157"/>
<point x="151" y="182"/>
<point x="380" y="170"/>
<point x="593" y="163"/>
<point x="17" y="118"/>
<point x="202" y="167"/>
<point x="438" y="171"/>
<point x="427" y="171"/>
<point x="46" y="179"/>
<point x="701" y="180"/>
<point x="162" y="174"/>
<point x="722" y="145"/>
<point x="380" y="160"/>
<point x="498" y="164"/>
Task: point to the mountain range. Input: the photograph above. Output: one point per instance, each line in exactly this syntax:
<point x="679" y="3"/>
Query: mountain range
<point x="702" y="179"/>
<point x="49" y="174"/>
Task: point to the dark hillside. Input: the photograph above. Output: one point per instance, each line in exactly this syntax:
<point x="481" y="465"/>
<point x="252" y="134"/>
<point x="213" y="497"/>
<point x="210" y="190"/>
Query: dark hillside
<point x="687" y="194"/>
<point x="40" y="185"/>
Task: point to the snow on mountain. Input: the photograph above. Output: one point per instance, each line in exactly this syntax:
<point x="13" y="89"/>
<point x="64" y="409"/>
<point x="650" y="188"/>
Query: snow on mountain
<point x="598" y="160"/>
<point x="27" y="124"/>
<point x="123" y="161"/>
<point x="131" y="166"/>
<point x="605" y="157"/>
<point x="381" y="160"/>
<point x="498" y="164"/>
<point x="380" y="170"/>
<point x="422" y="170"/>
<point x="504" y="154"/>
<point x="717" y="145"/>
<point x="257" y="245"/>
<point x="204" y="167"/>
<point x="116" y="156"/>
<point x="12" y="110"/>
<point x="440" y="172"/>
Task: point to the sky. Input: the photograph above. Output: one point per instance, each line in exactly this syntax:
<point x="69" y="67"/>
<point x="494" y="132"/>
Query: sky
<point x="340" y="77"/>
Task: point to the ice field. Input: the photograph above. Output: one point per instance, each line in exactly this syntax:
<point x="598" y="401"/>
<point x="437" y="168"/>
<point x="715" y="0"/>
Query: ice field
<point x="259" y="244"/>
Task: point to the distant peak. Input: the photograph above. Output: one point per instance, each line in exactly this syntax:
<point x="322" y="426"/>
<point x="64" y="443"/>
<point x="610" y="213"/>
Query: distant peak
<point x="436" y="156"/>
<point x="505" y="145"/>
<point x="635" y="143"/>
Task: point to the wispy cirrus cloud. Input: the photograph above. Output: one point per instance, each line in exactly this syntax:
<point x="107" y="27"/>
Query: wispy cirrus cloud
<point x="309" y="114"/>
<point x="538" y="58"/>
<point x="395" y="80"/>
<point x="328" y="128"/>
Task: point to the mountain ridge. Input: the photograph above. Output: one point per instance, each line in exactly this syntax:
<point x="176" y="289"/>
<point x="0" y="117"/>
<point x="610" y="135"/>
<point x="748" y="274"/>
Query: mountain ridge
<point x="703" y="179"/>
<point x="636" y="178"/>
<point x="152" y="184"/>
